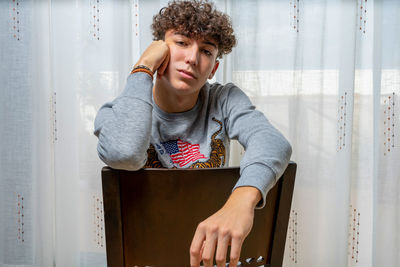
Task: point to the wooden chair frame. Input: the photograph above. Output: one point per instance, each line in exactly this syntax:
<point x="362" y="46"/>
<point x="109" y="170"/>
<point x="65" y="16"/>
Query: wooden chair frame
<point x="125" y="192"/>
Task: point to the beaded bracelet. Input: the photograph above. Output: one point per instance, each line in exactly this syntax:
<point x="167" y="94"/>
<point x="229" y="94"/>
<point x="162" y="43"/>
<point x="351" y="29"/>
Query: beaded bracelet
<point x="143" y="68"/>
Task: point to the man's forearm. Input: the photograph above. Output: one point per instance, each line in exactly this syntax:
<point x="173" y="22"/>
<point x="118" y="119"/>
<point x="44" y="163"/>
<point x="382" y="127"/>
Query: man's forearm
<point x="124" y="136"/>
<point x="247" y="195"/>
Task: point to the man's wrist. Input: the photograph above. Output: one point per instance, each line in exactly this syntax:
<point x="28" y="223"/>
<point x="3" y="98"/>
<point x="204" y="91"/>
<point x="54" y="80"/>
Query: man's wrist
<point x="248" y="195"/>
<point x="146" y="64"/>
<point x="142" y="68"/>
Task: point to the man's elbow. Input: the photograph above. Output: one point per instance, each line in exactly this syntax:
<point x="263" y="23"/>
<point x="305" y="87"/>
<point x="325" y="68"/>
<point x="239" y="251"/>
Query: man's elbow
<point x="119" y="159"/>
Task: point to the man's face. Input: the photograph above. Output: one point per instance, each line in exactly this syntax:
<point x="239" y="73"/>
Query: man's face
<point x="191" y="63"/>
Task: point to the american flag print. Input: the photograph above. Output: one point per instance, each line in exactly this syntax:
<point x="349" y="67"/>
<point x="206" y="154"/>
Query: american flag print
<point x="182" y="152"/>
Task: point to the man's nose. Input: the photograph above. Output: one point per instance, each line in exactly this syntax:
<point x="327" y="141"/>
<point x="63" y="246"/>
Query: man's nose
<point x="192" y="55"/>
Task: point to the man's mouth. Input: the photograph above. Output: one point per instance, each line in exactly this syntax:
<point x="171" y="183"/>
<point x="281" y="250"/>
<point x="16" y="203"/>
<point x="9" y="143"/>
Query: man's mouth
<point x="187" y="74"/>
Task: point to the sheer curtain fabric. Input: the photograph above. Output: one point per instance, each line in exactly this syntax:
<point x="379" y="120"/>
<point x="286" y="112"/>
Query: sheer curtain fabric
<point x="325" y="73"/>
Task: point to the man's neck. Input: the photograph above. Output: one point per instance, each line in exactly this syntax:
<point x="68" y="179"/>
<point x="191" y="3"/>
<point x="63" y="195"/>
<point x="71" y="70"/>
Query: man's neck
<point x="170" y="102"/>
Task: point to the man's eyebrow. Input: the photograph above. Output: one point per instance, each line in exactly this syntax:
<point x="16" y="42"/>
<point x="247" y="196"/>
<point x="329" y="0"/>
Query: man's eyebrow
<point x="205" y="41"/>
<point x="210" y="43"/>
<point x="181" y="34"/>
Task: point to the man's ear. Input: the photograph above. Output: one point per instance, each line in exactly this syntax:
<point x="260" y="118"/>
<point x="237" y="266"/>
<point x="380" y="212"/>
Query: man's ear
<point x="214" y="69"/>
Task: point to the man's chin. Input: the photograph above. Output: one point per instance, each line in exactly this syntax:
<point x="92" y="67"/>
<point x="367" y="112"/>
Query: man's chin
<point x="180" y="86"/>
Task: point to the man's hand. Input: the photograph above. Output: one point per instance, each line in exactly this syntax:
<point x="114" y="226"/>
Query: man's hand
<point x="228" y="226"/>
<point x="156" y="57"/>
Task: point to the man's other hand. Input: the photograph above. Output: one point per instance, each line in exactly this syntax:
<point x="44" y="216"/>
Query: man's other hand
<point x="227" y="227"/>
<point x="155" y="57"/>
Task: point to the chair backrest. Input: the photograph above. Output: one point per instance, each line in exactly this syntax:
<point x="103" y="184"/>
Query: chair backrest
<point x="151" y="215"/>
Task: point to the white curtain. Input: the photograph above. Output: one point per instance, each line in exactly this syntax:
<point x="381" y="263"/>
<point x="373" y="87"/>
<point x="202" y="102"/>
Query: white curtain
<point x="326" y="73"/>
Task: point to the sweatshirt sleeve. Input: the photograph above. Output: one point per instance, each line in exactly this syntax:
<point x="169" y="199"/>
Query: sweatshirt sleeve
<point x="123" y="126"/>
<point x="267" y="152"/>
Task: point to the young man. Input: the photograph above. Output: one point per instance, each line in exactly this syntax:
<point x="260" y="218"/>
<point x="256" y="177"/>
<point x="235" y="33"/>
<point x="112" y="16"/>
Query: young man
<point x="182" y="121"/>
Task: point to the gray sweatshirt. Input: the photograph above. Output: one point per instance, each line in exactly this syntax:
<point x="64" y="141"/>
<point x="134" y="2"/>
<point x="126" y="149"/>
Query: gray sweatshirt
<point x="134" y="133"/>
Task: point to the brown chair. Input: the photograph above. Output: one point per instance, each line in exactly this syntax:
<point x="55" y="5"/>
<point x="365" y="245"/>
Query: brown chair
<point x="151" y="215"/>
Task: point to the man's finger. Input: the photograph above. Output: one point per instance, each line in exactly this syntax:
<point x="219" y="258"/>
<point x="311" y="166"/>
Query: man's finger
<point x="209" y="249"/>
<point x="222" y="247"/>
<point x="196" y="247"/>
<point x="236" y="247"/>
<point x="202" y="248"/>
<point x="164" y="65"/>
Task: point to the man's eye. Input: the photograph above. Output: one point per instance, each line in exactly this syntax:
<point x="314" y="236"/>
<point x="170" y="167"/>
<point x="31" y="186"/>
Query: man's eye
<point x="208" y="53"/>
<point x="180" y="43"/>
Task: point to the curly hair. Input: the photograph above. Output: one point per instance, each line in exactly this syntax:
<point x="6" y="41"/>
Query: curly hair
<point x="196" y="19"/>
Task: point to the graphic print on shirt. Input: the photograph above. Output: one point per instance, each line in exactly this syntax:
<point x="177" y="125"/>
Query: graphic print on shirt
<point x="183" y="153"/>
<point x="217" y="155"/>
<point x="152" y="158"/>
